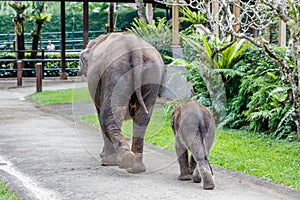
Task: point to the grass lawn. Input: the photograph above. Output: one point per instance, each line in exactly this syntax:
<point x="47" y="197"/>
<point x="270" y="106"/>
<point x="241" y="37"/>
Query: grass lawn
<point x="68" y="96"/>
<point x="274" y="160"/>
<point x="5" y="194"/>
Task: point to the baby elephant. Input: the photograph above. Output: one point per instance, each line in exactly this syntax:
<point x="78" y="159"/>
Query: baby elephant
<point x="194" y="130"/>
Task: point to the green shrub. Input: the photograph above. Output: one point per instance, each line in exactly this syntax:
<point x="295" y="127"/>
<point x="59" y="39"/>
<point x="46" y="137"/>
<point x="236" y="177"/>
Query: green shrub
<point x="52" y="68"/>
<point x="158" y="34"/>
<point x="261" y="103"/>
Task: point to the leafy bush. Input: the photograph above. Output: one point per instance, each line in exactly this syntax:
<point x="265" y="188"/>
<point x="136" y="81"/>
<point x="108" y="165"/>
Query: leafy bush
<point x="52" y="68"/>
<point x="261" y="103"/>
<point x="256" y="98"/>
<point x="192" y="16"/>
<point x="158" y="34"/>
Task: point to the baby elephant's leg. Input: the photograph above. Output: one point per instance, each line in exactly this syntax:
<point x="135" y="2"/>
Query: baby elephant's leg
<point x="194" y="169"/>
<point x="198" y="151"/>
<point x="182" y="156"/>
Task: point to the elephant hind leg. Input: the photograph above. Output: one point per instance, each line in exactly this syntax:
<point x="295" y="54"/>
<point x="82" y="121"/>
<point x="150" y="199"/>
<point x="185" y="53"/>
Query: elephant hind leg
<point x="199" y="152"/>
<point x="193" y="168"/>
<point x="208" y="181"/>
<point x="117" y="153"/>
<point x="137" y="149"/>
<point x="126" y="160"/>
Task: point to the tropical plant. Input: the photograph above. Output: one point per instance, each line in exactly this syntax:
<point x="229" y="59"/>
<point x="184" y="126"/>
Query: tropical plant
<point x="214" y="57"/>
<point x="225" y="53"/>
<point x="261" y="103"/>
<point x="192" y="16"/>
<point x="158" y="34"/>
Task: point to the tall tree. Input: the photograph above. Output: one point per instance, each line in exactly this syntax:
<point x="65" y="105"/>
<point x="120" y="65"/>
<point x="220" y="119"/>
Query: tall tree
<point x="18" y="20"/>
<point x="141" y="10"/>
<point x="111" y="23"/>
<point x="39" y="19"/>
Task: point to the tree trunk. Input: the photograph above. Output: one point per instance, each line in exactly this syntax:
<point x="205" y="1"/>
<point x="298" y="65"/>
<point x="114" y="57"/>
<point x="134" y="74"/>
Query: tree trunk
<point x="141" y="10"/>
<point x="215" y="87"/>
<point x="19" y="37"/>
<point x="111" y="24"/>
<point x="149" y="12"/>
<point x="36" y="35"/>
<point x="36" y="39"/>
<point x="297" y="65"/>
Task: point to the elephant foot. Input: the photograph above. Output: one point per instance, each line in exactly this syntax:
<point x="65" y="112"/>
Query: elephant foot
<point x="196" y="176"/>
<point x="138" y="167"/>
<point x="184" y="177"/>
<point x="109" y="160"/>
<point x="208" y="181"/>
<point x="126" y="160"/>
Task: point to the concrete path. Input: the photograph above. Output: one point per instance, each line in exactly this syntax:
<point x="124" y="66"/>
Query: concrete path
<point x="45" y="155"/>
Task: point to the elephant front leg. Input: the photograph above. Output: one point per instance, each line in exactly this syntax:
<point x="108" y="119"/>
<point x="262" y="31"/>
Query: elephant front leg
<point x="108" y="154"/>
<point x="193" y="168"/>
<point x="116" y="150"/>
<point x="182" y="156"/>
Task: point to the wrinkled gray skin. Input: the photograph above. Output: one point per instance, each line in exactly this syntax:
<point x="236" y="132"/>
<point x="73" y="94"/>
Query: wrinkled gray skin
<point x="124" y="74"/>
<point x="194" y="129"/>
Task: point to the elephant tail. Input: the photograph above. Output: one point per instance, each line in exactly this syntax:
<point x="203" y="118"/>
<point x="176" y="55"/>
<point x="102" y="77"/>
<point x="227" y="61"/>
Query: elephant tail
<point x="137" y="63"/>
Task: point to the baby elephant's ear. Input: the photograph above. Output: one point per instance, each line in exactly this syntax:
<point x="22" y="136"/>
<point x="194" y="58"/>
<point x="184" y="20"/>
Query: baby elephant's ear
<point x="175" y="120"/>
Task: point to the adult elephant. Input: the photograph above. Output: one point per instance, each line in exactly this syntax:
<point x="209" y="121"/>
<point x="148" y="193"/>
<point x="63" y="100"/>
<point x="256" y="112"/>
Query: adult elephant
<point x="124" y="75"/>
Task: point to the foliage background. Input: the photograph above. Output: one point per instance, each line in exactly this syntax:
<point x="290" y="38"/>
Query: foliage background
<point x="97" y="21"/>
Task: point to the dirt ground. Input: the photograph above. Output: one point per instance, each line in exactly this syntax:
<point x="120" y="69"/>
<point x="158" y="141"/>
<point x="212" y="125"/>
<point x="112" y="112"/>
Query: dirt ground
<point x="46" y="153"/>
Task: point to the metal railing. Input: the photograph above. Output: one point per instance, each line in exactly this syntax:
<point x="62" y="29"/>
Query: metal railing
<point x="42" y="58"/>
<point x="74" y="39"/>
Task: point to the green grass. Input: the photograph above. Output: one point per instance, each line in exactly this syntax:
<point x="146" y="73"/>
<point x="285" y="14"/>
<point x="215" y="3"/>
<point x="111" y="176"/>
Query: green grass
<point x="275" y="160"/>
<point x="5" y="194"/>
<point x="68" y="96"/>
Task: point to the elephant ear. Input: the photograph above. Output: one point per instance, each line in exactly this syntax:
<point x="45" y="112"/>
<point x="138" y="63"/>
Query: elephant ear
<point x="84" y="54"/>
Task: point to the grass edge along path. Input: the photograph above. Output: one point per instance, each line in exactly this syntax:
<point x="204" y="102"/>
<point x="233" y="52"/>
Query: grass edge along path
<point x="5" y="194"/>
<point x="275" y="160"/>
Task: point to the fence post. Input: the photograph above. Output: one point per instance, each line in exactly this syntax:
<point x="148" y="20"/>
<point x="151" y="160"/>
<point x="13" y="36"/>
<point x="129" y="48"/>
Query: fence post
<point x="38" y="77"/>
<point x="43" y="63"/>
<point x="8" y="37"/>
<point x="19" y="72"/>
<point x="73" y="36"/>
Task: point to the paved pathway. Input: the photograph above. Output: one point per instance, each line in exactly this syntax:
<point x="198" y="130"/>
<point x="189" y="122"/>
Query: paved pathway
<point x="45" y="155"/>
